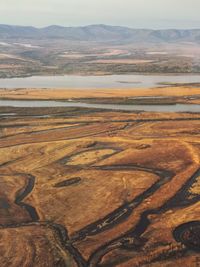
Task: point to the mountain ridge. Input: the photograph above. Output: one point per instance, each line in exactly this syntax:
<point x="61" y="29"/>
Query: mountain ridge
<point x="99" y="33"/>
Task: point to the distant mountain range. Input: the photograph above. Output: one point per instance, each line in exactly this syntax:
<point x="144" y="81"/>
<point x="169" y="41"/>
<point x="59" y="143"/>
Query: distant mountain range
<point x="99" y="33"/>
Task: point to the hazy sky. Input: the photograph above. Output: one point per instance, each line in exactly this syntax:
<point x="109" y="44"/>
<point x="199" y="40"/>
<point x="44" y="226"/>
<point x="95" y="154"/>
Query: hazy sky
<point x="133" y="13"/>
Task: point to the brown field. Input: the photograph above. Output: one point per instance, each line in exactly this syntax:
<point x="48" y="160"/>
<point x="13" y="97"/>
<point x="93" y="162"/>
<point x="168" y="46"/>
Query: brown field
<point x="110" y="52"/>
<point x="91" y="188"/>
<point x="3" y="56"/>
<point x="8" y="66"/>
<point x="121" y="61"/>
<point x="182" y="92"/>
<point x="63" y="57"/>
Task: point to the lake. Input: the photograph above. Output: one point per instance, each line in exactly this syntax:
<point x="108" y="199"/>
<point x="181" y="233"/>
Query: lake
<point x="150" y="108"/>
<point x="109" y="81"/>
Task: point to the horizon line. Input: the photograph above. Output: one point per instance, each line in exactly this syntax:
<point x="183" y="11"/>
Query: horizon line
<point x="98" y="24"/>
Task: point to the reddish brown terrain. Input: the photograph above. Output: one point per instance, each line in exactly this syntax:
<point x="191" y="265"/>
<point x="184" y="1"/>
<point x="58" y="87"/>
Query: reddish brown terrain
<point x="88" y="187"/>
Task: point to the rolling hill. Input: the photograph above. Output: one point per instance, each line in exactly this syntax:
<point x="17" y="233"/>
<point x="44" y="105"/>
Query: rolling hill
<point x="99" y="33"/>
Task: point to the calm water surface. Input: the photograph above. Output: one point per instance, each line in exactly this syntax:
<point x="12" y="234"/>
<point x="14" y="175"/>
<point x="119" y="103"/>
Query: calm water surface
<point x="151" y="108"/>
<point x="110" y="81"/>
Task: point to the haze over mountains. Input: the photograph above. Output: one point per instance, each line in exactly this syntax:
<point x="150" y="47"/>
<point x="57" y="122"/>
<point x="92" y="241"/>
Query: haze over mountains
<point x="96" y="50"/>
<point x="99" y="33"/>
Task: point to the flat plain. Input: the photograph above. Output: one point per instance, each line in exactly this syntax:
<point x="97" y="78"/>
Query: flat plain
<point x="89" y="187"/>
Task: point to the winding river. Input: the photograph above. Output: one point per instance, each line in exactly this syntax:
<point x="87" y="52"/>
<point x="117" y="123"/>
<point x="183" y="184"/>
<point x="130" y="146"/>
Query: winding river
<point x="150" y="108"/>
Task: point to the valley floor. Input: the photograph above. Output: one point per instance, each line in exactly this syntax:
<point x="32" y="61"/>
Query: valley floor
<point x="89" y="187"/>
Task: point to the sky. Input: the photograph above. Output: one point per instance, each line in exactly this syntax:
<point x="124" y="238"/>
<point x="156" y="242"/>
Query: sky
<point x="156" y="14"/>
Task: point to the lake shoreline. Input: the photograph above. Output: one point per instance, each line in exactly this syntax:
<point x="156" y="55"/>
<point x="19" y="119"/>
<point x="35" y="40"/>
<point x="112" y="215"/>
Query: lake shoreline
<point x="120" y="81"/>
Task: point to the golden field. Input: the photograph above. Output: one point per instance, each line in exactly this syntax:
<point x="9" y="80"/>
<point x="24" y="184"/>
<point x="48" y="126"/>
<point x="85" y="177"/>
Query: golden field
<point x="88" y="188"/>
<point x="179" y="92"/>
